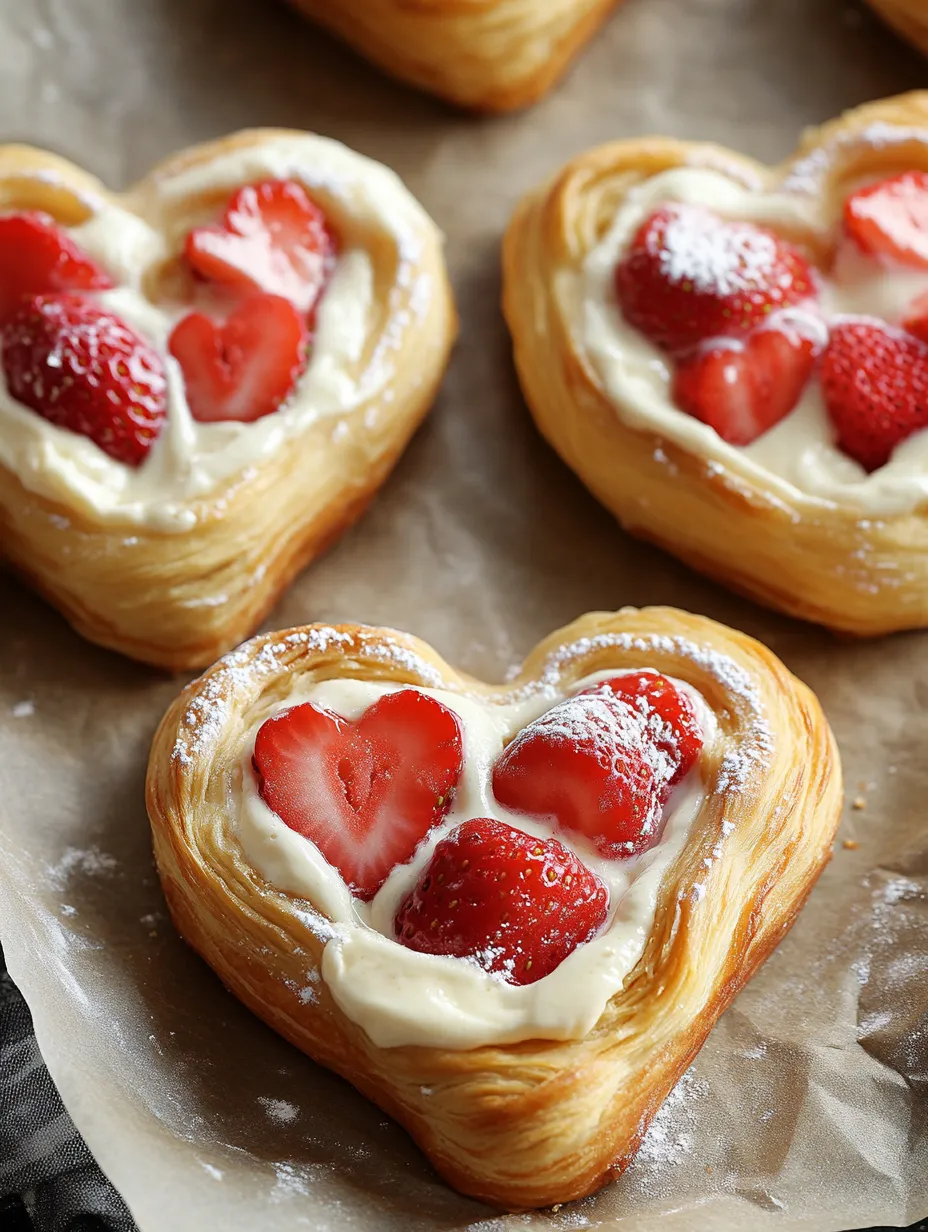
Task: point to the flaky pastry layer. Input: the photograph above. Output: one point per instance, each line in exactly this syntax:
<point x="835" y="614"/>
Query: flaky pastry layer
<point x="491" y="55"/>
<point x="832" y="565"/>
<point x="539" y="1122"/>
<point x="178" y="600"/>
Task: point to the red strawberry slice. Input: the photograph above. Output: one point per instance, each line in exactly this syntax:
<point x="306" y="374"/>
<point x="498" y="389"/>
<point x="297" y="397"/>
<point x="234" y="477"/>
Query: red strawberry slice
<point x="366" y="792"/>
<point x="890" y="219"/>
<point x="273" y="238"/>
<point x="742" y="389"/>
<point x="515" y="905"/>
<point x="85" y="370"/>
<point x="669" y="715"/>
<point x="875" y="384"/>
<point x="916" y="322"/>
<point x="246" y="368"/>
<point x="37" y="257"/>
<point x="591" y="764"/>
<point x="689" y="276"/>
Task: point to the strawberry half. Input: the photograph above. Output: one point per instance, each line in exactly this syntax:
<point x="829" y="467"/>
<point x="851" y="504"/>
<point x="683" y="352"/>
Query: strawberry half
<point x="689" y="276"/>
<point x="890" y="219"/>
<point x="591" y="764"/>
<point x="272" y="238"/>
<point x="37" y="257"/>
<point x="85" y="370"/>
<point x="875" y="385"/>
<point x="366" y="792"/>
<point x="515" y="905"/>
<point x="669" y="716"/>
<point x="243" y="369"/>
<point x="742" y="389"/>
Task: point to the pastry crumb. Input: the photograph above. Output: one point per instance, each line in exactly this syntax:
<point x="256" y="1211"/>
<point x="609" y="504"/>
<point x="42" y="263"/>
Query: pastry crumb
<point x="850" y="844"/>
<point x="860" y="802"/>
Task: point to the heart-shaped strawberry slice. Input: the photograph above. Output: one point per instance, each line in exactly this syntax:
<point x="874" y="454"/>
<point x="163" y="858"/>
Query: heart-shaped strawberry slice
<point x="743" y="389"/>
<point x="890" y="219"/>
<point x="365" y="792"/>
<point x="591" y="764"/>
<point x="243" y="369"/>
<point x="273" y="238"/>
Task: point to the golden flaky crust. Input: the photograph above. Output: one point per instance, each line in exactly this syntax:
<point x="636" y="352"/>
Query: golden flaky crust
<point x="907" y="17"/>
<point x="490" y="55"/>
<point x="832" y="565"/>
<point x="178" y="600"/>
<point x="539" y="1122"/>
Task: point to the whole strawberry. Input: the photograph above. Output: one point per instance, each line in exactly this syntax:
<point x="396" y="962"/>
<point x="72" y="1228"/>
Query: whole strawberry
<point x="83" y="369"/>
<point x="875" y="384"/>
<point x="689" y="276"/>
<point x="514" y="904"/>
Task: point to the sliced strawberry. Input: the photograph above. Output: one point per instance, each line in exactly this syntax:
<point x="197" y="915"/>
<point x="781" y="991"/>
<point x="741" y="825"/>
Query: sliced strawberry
<point x="515" y="905"/>
<point x="273" y="238"/>
<point x="875" y="384"/>
<point x="37" y="256"/>
<point x="741" y="389"/>
<point x="366" y="793"/>
<point x="591" y="764"/>
<point x="85" y="370"/>
<point x="916" y="321"/>
<point x="890" y="219"/>
<point x="668" y="713"/>
<point x="246" y="368"/>
<point x="689" y="276"/>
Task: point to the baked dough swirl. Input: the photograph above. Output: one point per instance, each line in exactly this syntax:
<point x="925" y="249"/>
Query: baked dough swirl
<point x="541" y="1121"/>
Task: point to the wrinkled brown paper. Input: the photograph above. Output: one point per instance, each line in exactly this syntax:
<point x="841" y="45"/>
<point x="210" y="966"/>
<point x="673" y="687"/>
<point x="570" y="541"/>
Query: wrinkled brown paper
<point x="807" y="1107"/>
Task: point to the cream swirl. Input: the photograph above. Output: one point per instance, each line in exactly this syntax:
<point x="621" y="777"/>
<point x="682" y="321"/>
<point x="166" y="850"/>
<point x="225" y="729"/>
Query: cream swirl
<point x="400" y="996"/>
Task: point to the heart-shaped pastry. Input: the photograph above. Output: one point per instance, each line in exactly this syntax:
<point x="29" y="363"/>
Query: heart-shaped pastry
<point x="734" y="358"/>
<point x="492" y="55"/>
<point x="585" y="865"/>
<point x="206" y="379"/>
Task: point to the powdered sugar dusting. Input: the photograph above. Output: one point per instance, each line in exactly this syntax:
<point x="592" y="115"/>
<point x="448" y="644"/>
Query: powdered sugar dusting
<point x="279" y="1110"/>
<point x="808" y="174"/>
<point x="88" y="861"/>
<point x="701" y="252"/>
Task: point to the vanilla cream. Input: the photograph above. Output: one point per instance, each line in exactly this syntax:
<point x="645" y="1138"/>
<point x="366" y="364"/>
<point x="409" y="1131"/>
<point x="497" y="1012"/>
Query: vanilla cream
<point x="798" y="457"/>
<point x="400" y="996"/>
<point x="189" y="460"/>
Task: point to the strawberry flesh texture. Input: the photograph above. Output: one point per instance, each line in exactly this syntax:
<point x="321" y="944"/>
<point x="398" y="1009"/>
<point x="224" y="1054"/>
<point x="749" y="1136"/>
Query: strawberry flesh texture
<point x="85" y="370"/>
<point x="37" y="257"/>
<point x="591" y="764"/>
<point x="273" y="238"/>
<point x="890" y="219"/>
<point x="875" y="385"/>
<point x="669" y="716"/>
<point x="365" y="792"/>
<point x="514" y="904"/>
<point x="690" y="276"/>
<point x="243" y="369"/>
<point x="742" y="390"/>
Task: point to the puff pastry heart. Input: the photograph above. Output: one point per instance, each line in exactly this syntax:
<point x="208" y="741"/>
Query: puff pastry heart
<point x="227" y="513"/>
<point x="854" y="563"/>
<point x="908" y="17"/>
<point x="491" y="55"/>
<point x="541" y="1120"/>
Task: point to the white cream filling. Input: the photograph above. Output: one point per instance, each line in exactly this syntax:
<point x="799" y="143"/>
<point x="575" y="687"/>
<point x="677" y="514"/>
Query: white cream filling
<point x="400" y="996"/>
<point x="797" y="458"/>
<point x="189" y="459"/>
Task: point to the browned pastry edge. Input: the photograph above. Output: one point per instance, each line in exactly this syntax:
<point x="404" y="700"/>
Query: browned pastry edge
<point x="907" y="17"/>
<point x="538" y="1122"/>
<point x="479" y="54"/>
<point x="178" y="600"/>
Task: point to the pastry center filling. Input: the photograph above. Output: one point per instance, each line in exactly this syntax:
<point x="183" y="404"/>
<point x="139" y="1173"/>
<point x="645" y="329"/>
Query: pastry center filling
<point x="787" y="343"/>
<point x="489" y="871"/>
<point x="137" y="372"/>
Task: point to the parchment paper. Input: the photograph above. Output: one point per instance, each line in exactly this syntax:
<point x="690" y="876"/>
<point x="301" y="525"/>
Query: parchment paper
<point x="807" y="1108"/>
